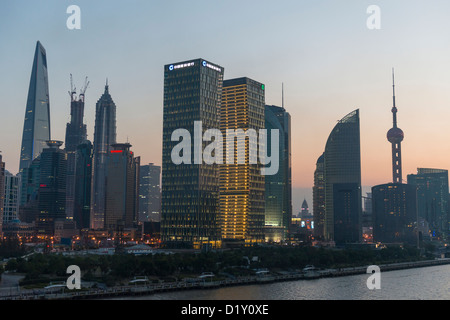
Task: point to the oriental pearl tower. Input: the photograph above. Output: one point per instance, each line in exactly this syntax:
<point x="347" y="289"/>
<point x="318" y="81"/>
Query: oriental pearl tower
<point x="395" y="137"/>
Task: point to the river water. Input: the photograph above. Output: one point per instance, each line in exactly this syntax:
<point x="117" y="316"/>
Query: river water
<point x="428" y="283"/>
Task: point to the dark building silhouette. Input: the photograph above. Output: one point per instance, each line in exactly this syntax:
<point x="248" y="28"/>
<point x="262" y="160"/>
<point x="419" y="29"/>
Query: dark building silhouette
<point x="432" y="198"/>
<point x="75" y="135"/>
<point x="122" y="188"/>
<point x="278" y="187"/>
<point x="190" y="191"/>
<point x="104" y="137"/>
<point x="150" y="193"/>
<point x="319" y="199"/>
<point x="394" y="213"/>
<point x="83" y="183"/>
<point x="52" y="188"/>
<point x="342" y="175"/>
<point x="36" y="128"/>
<point x="29" y="192"/>
<point x="2" y="192"/>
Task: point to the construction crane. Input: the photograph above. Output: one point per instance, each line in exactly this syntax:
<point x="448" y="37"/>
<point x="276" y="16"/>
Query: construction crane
<point x="73" y="90"/>
<point x="83" y="89"/>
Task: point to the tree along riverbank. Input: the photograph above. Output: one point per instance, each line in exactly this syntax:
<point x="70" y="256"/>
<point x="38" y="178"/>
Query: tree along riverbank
<point x="165" y="269"/>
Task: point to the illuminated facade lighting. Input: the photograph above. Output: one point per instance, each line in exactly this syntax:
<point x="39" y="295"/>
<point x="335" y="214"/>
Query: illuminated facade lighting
<point x="242" y="201"/>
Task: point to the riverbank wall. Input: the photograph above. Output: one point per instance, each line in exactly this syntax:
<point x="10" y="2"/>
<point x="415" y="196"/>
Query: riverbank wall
<point x="149" y="289"/>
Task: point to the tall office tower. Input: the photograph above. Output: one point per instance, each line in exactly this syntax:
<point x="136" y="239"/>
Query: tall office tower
<point x="36" y="128"/>
<point x="122" y="188"/>
<point x="432" y="198"/>
<point x="319" y="199"/>
<point x="342" y="172"/>
<point x="2" y="192"/>
<point x="83" y="183"/>
<point x="104" y="137"/>
<point x="394" y="213"/>
<point x="278" y="187"/>
<point x="190" y="190"/>
<point x="29" y="191"/>
<point x="242" y="186"/>
<point x="12" y="197"/>
<point x="52" y="188"/>
<point x="150" y="193"/>
<point x="75" y="135"/>
<point x="395" y="137"/>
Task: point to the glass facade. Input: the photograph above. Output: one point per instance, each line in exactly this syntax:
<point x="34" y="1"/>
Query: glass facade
<point x="2" y="194"/>
<point x="319" y="199"/>
<point x="83" y="181"/>
<point x="52" y="188"/>
<point x="342" y="173"/>
<point x="12" y="192"/>
<point x="150" y="193"/>
<point x="242" y="186"/>
<point x="75" y="135"/>
<point x="190" y="192"/>
<point x="278" y="187"/>
<point x="432" y="198"/>
<point x="36" y="128"/>
<point x="104" y="137"/>
<point x="394" y="213"/>
<point x="122" y="188"/>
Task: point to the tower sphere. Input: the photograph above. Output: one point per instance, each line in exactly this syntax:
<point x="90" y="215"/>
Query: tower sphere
<point x="395" y="135"/>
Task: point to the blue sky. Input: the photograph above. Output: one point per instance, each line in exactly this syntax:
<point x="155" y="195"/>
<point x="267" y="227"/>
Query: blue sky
<point x="323" y="52"/>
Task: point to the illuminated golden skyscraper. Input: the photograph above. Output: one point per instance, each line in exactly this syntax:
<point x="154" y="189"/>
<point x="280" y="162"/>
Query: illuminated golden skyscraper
<point x="241" y="182"/>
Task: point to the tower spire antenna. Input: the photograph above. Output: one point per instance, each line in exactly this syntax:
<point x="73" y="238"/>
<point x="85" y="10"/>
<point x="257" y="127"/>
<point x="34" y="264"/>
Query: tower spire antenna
<point x="395" y="137"/>
<point x="282" y="95"/>
<point x="393" y="87"/>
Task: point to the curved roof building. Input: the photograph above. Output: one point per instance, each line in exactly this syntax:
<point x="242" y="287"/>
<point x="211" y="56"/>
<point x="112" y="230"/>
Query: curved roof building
<point x="342" y="174"/>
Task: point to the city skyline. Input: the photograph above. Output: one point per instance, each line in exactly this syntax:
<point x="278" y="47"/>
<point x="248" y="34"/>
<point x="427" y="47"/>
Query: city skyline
<point x="327" y="58"/>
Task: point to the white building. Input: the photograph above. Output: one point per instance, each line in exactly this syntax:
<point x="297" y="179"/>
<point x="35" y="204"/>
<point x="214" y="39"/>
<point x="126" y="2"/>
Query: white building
<point x="12" y="196"/>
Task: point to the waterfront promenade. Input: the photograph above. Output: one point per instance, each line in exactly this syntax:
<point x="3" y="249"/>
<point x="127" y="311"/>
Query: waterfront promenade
<point x="63" y="293"/>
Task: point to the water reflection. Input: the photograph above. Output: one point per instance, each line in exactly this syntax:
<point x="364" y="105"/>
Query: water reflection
<point x="430" y="283"/>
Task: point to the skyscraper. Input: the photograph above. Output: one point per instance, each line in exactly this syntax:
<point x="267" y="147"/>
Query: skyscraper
<point x="12" y="195"/>
<point x="242" y="186"/>
<point x="319" y="199"/>
<point x="29" y="191"/>
<point x="342" y="174"/>
<point x="278" y="187"/>
<point x="83" y="184"/>
<point x="104" y="137"/>
<point x="150" y="193"/>
<point x="122" y="188"/>
<point x="75" y="135"/>
<point x="2" y="192"/>
<point x="394" y="213"/>
<point x="52" y="188"/>
<point x="432" y="198"/>
<point x="36" y="128"/>
<point x="190" y="190"/>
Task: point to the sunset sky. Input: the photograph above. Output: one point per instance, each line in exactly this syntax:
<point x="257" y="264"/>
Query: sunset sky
<point x="328" y="59"/>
